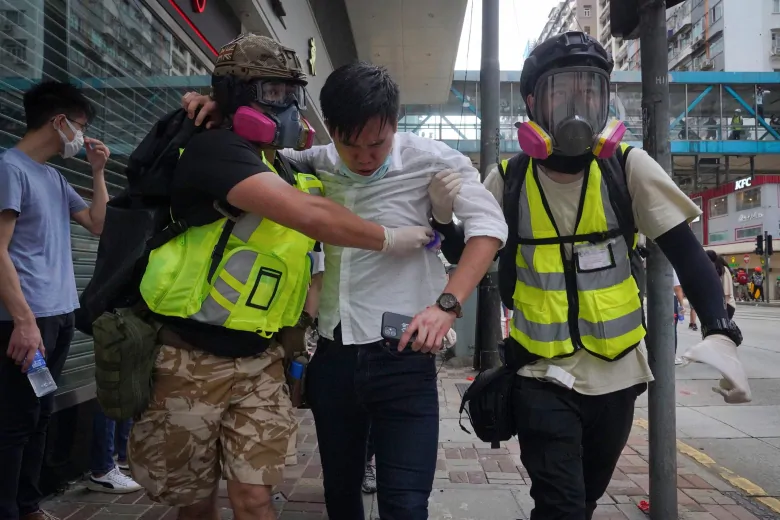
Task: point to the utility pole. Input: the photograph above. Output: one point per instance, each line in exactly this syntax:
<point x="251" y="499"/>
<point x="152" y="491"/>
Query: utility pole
<point x="660" y="336"/>
<point x="768" y="250"/>
<point x="488" y="300"/>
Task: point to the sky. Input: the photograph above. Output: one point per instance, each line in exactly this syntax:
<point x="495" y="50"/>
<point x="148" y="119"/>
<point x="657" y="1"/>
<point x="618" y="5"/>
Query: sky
<point x="519" y="22"/>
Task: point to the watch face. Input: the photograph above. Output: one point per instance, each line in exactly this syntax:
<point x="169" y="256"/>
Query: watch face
<point x="448" y="301"/>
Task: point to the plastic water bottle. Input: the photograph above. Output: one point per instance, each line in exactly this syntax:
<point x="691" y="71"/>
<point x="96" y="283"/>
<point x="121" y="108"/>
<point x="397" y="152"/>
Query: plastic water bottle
<point x="297" y="368"/>
<point x="680" y="317"/>
<point x="40" y="377"/>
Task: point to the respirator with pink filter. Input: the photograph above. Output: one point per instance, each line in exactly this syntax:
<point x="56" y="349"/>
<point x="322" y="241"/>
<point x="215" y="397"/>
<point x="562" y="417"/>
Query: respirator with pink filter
<point x="280" y="123"/>
<point x="569" y="113"/>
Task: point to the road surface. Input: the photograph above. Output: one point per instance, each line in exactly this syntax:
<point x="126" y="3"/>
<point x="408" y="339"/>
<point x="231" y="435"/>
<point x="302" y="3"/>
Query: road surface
<point x="742" y="438"/>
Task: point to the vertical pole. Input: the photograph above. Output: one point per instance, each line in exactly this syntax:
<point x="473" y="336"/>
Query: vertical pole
<point x="489" y="310"/>
<point x="766" y="268"/>
<point x="660" y="337"/>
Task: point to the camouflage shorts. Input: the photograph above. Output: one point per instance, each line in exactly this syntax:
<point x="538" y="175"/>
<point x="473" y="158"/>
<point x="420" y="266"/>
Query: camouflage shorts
<point x="212" y="417"/>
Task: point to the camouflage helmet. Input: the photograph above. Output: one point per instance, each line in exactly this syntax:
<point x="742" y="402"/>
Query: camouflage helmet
<point x="251" y="56"/>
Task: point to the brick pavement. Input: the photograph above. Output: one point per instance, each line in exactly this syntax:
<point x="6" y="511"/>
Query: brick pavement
<point x="463" y="464"/>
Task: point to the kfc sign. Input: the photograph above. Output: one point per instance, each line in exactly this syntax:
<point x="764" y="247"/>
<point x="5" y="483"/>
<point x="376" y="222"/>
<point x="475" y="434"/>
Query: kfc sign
<point x="198" y="5"/>
<point x="742" y="183"/>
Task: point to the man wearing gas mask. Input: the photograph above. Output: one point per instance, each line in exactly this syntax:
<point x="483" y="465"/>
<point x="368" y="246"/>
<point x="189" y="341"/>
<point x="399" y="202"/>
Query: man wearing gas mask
<point x="574" y="202"/>
<point x="223" y="291"/>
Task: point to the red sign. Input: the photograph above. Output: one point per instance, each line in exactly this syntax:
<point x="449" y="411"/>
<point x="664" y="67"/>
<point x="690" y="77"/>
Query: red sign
<point x="746" y="258"/>
<point x="199" y="5"/>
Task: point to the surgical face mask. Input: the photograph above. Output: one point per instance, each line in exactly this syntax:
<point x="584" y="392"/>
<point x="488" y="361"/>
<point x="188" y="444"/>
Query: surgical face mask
<point x="278" y="128"/>
<point x="365" y="179"/>
<point x="71" y="147"/>
<point x="570" y="112"/>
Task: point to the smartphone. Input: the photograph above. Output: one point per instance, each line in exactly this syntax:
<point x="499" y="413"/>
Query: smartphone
<point x="394" y="325"/>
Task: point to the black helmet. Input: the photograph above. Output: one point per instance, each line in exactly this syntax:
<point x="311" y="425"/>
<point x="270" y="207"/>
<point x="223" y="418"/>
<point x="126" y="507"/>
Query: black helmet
<point x="573" y="48"/>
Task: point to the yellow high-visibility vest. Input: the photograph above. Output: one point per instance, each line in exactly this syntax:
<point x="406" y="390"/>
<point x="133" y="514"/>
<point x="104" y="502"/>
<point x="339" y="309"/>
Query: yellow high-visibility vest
<point x="559" y="305"/>
<point x="260" y="284"/>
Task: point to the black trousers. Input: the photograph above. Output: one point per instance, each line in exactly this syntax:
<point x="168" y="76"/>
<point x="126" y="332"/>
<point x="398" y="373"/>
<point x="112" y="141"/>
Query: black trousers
<point x="354" y="388"/>
<point x="570" y="444"/>
<point x="24" y="418"/>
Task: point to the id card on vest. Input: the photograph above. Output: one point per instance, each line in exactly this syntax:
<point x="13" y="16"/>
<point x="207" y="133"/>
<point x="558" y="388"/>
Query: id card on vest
<point x="593" y="257"/>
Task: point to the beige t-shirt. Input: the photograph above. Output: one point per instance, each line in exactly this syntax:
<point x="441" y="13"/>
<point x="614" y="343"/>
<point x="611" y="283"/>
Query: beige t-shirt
<point x="659" y="206"/>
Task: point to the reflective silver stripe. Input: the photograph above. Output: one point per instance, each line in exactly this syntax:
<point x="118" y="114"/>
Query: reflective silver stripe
<point x="612" y="328"/>
<point x="549" y="332"/>
<point x="239" y="266"/>
<point x="226" y="291"/>
<point x="316" y="190"/>
<point x="246" y="225"/>
<point x="545" y="332"/>
<point x="211" y="312"/>
<point x="544" y="281"/>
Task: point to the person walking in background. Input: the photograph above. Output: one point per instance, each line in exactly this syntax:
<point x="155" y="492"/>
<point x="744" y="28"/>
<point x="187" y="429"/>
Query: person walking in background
<point x="758" y="285"/>
<point x="692" y="325"/>
<point x="742" y="282"/>
<point x="724" y="272"/>
<point x="107" y="476"/>
<point x="679" y="310"/>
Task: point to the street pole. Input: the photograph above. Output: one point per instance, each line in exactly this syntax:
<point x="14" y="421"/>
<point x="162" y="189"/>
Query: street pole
<point x="488" y="300"/>
<point x="767" y="282"/>
<point x="660" y="336"/>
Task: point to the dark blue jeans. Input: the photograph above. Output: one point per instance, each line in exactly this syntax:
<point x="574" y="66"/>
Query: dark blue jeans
<point x="24" y="418"/>
<point x="351" y="387"/>
<point x="104" y="431"/>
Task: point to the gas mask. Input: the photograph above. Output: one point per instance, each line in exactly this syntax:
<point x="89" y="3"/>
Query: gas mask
<point x="570" y="112"/>
<point x="283" y="129"/>
<point x="281" y="125"/>
<point x="71" y="147"/>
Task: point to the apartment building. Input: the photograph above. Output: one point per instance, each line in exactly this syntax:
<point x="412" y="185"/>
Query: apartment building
<point x="571" y="15"/>
<point x="721" y="35"/>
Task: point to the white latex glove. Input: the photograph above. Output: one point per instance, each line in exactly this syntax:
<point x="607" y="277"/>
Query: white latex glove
<point x="719" y="352"/>
<point x="406" y="239"/>
<point x="449" y="340"/>
<point x="443" y="189"/>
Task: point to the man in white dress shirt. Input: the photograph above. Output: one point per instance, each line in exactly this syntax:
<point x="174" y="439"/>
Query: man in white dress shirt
<point x="355" y="377"/>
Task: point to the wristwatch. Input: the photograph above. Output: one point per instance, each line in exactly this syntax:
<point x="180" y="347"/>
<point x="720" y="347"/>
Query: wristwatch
<point x="449" y="303"/>
<point x="723" y="326"/>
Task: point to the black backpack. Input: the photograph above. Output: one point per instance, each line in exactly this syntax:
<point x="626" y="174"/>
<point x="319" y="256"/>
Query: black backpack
<point x="139" y="220"/>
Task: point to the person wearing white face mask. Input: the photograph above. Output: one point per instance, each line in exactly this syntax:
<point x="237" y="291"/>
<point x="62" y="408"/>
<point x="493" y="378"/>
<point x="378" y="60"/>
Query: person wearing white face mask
<point x="37" y="283"/>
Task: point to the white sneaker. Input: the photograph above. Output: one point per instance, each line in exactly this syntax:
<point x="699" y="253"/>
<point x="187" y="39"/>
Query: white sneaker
<point x="678" y="361"/>
<point x="114" y="482"/>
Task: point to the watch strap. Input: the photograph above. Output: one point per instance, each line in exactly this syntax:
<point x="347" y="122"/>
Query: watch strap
<point x="722" y="326"/>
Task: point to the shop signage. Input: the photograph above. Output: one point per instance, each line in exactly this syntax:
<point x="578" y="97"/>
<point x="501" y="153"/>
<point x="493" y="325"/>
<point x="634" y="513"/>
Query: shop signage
<point x="312" y="57"/>
<point x="743" y="183"/>
<point x="746" y="258"/>
<point x="198" y="5"/>
<point x="750" y="216"/>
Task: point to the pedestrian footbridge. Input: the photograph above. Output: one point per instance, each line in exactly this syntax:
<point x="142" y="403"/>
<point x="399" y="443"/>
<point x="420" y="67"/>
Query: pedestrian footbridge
<point x="709" y="145"/>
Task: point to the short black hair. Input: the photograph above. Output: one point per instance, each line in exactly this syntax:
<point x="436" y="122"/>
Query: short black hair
<point x="51" y="98"/>
<point x="354" y="94"/>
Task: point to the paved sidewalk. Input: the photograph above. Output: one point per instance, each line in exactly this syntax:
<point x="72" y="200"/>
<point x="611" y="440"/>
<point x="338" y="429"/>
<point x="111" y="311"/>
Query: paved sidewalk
<point x="473" y="482"/>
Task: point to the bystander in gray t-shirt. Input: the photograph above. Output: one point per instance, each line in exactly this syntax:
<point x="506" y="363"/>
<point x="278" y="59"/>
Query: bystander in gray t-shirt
<point x="40" y="246"/>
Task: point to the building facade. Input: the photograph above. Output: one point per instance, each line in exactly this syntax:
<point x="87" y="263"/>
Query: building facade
<point x="135" y="58"/>
<point x="570" y="15"/>
<point x="734" y="214"/>
<point x="720" y="35"/>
